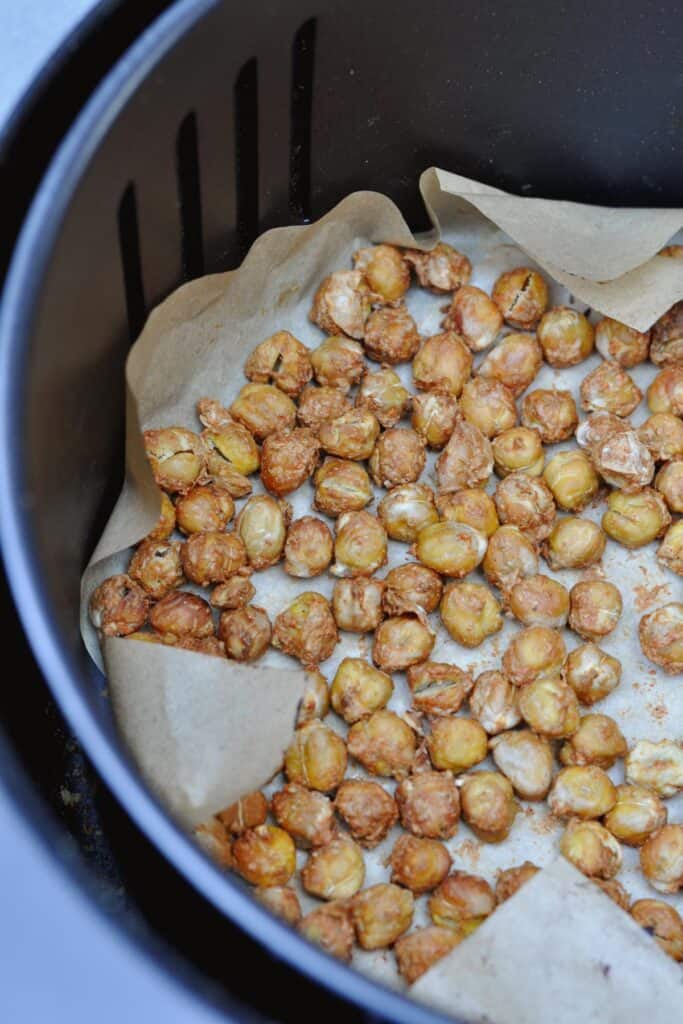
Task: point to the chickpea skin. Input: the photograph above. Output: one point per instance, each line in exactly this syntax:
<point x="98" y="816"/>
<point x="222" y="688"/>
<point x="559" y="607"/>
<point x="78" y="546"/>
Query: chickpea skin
<point x="637" y="813"/>
<point x="319" y="404"/>
<point x="540" y="601"/>
<point x="412" y="589"/>
<point x="467" y="459"/>
<point x="571" y="477"/>
<point x="182" y="614"/>
<point x="511" y="880"/>
<point x="661" y="637"/>
<point x="574" y="543"/>
<point x="384" y="395"/>
<point x="341" y="486"/>
<point x="456" y="744"/>
<point x="177" y="457"/>
<point x="306" y="815"/>
<point x="331" y="928"/>
<point x="622" y="344"/>
<point x="368" y="811"/>
<point x="509" y="558"/>
<point x="536" y="652"/>
<point x="549" y="707"/>
<point x="665" y="393"/>
<point x="488" y="805"/>
<point x="351" y="435"/>
<point x="288" y="458"/>
<point x="281" y="360"/>
<point x="262" y="528"/>
<point x="438" y="688"/>
<point x="306" y="629"/>
<point x="383" y="743"/>
<point x="406" y="510"/>
<point x="308" y="548"/>
<point x="518" y="450"/>
<point x="156" y="567"/>
<point x="358" y="689"/>
<point x="381" y="914"/>
<point x="521" y="296"/>
<point x="635" y="520"/>
<point x="391" y="335"/>
<point x="357" y="603"/>
<point x="422" y="948"/>
<point x="494" y="703"/>
<point x="208" y="507"/>
<point x="664" y="924"/>
<point x="442" y="269"/>
<point x="444" y="363"/>
<point x="515" y="362"/>
<point x="452" y="549"/>
<point x="566" y="336"/>
<point x="316" y="757"/>
<point x="550" y="412"/>
<point x="462" y="901"/>
<point x="595" y="608"/>
<point x="591" y="848"/>
<point x="470" y="613"/>
<point x="119" y="606"/>
<point x="246" y="633"/>
<point x="661" y="859"/>
<point x="419" y="864"/>
<point x="402" y="641"/>
<point x="526" y="502"/>
<point x="335" y="871"/>
<point x="385" y="270"/>
<point x="656" y="765"/>
<point x="342" y="304"/>
<point x="610" y="387"/>
<point x="582" y="791"/>
<point x="263" y="410"/>
<point x="398" y="457"/>
<point x="475" y="317"/>
<point x="489" y="405"/>
<point x="598" y="741"/>
<point x="265" y="855"/>
<point x="615" y="891"/>
<point x="429" y="804"/>
<point x="662" y="434"/>
<point x="247" y="812"/>
<point x="434" y="416"/>
<point x="526" y="760"/>
<point x="360" y="547"/>
<point x="472" y="506"/>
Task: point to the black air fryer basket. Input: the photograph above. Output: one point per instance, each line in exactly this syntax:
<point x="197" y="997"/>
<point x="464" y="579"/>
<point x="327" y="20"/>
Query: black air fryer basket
<point x="221" y="120"/>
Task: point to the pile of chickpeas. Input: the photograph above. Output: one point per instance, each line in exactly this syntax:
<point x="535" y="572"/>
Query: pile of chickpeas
<point x="328" y="420"/>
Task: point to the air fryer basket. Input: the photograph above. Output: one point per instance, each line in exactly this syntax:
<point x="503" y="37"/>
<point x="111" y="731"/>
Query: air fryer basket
<point x="224" y="120"/>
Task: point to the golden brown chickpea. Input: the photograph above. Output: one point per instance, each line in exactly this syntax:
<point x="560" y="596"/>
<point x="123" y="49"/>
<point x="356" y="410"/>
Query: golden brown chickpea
<point x="338" y="362"/>
<point x="462" y="901"/>
<point x="591" y="849"/>
<point x="537" y="652"/>
<point x="306" y="629"/>
<point x="383" y="743"/>
<point x="331" y="928"/>
<point x="489" y="405"/>
<point x="350" y="436"/>
<point x="669" y="483"/>
<point x="488" y="805"/>
<point x="246" y="633"/>
<point x="335" y="871"/>
<point x="308" y="548"/>
<point x="635" y="519"/>
<point x="550" y="708"/>
<point x="262" y="528"/>
<point x="247" y="812"/>
<point x="265" y="855"/>
<point x="442" y="269"/>
<point x="281" y="360"/>
<point x="208" y="507"/>
<point x="166" y="522"/>
<point x="574" y="543"/>
<point x="406" y="509"/>
<point x="119" y="606"/>
<point x="209" y="645"/>
<point x="357" y="604"/>
<point x="341" y="486"/>
<point x="592" y="673"/>
<point x="213" y="415"/>
<point x="398" y="457"/>
<point x="637" y="813"/>
<point x="511" y="880"/>
<point x="515" y="362"/>
<point x="288" y="458"/>
<point x="360" y="547"/>
<point x="424" y="947"/>
<point x="213" y="557"/>
<point x="526" y="502"/>
<point x="663" y="923"/>
<point x="610" y="387"/>
<point x="281" y="901"/>
<point x="429" y="804"/>
<point x="316" y="757"/>
<point x="177" y="457"/>
<point x="595" y="608"/>
<point x="622" y="460"/>
<point x="419" y="864"/>
<point x="263" y="410"/>
<point x="317" y="405"/>
<point x="470" y="613"/>
<point x="526" y="760"/>
<point x="452" y="549"/>
<point x="391" y="335"/>
<point x="540" y="601"/>
<point x="381" y="914"/>
<point x="661" y="859"/>
<point x="598" y="427"/>
<point x="472" y="506"/>
<point x="518" y="450"/>
<point x="402" y="641"/>
<point x="672" y="252"/>
<point x="667" y="338"/>
<point x="438" y="688"/>
<point x="670" y="552"/>
<point x="662" y="434"/>
<point x="522" y="297"/>
<point x="622" y="344"/>
<point x="366" y="809"/>
<point x="615" y="891"/>
<point x="661" y="637"/>
<point x="467" y="459"/>
<point x="571" y="477"/>
<point x="315" y="702"/>
<point x="358" y="689"/>
<point x="494" y="703"/>
<point x="384" y="395"/>
<point x="656" y="765"/>
<point x="456" y="744"/>
<point x="182" y="614"/>
<point x="227" y="449"/>
<point x="665" y="393"/>
<point x="385" y="270"/>
<point x="475" y="317"/>
<point x="510" y="556"/>
<point x="566" y="336"/>
<point x="434" y="415"/>
<point x="412" y="589"/>
<point x="215" y="842"/>
<point x="306" y="815"/>
<point x="582" y="791"/>
<point x="444" y="363"/>
<point x="342" y="304"/>
<point x="551" y="413"/>
<point x="156" y="566"/>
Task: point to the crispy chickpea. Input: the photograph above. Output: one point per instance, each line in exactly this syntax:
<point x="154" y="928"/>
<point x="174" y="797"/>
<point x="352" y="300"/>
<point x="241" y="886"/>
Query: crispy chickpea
<point x="635" y="519"/>
<point x="335" y="871"/>
<point x="407" y="509"/>
<point x="467" y="459"/>
<point x="338" y="362"/>
<point x="288" y="458"/>
<point x="308" y="548"/>
<point x="551" y="413"/>
<point x="515" y="362"/>
<point x="598" y="427"/>
<point x="331" y="928"/>
<point x="522" y="297"/>
<point x="489" y="405"/>
<point x="434" y="415"/>
<point x="315" y="702"/>
<point x="661" y="859"/>
<point x="452" y="549"/>
<point x="656" y="765"/>
<point x="622" y="344"/>
<point x="462" y="901"/>
<point x="306" y="815"/>
<point x="385" y="270"/>
<point x="281" y="360"/>
<point x="424" y="947"/>
<point x="212" y="838"/>
<point x="381" y="914"/>
<point x="166" y="522"/>
<point x="398" y="457"/>
<point x="306" y="629"/>
<point x="595" y="608"/>
<point x="157" y="567"/>
<point x="438" y="688"/>
<point x="391" y="335"/>
<point x="571" y="477"/>
<point x="637" y="813"/>
<point x="358" y="689"/>
<point x="209" y="645"/>
<point x="494" y="703"/>
<point x="263" y="410"/>
<point x="442" y="269"/>
<point x="549" y="707"/>
<point x="383" y="743"/>
<point x="350" y="436"/>
<point x="591" y="848"/>
<point x="518" y="450"/>
<point x="429" y="804"/>
<point x="262" y="528"/>
<point x="281" y="901"/>
<point x="526" y="760"/>
<point x="212" y="414"/>
<point x="609" y="387"/>
<point x="582" y="791"/>
<point x="384" y="395"/>
<point x="317" y="405"/>
<point x="221" y="467"/>
<point x="662" y="434"/>
<point x="510" y="556"/>
<point x="540" y="601"/>
<point x="342" y="304"/>
<point x="574" y="543"/>
<point x="526" y="502"/>
<point x="177" y="457"/>
<point x="119" y="606"/>
<point x="470" y="613"/>
<point x="669" y="483"/>
<point x="536" y="652"/>
<point x="615" y="891"/>
<point x="661" y="637"/>
<point x="316" y="757"/>
<point x="341" y="486"/>
<point x="208" y="507"/>
<point x="402" y="641"/>
<point x="412" y="589"/>
<point x="213" y="557"/>
<point x="357" y="603"/>
<point x="456" y="744"/>
<point x="622" y="460"/>
<point x="488" y="805"/>
<point x="444" y="363"/>
<point x="663" y="923"/>
<point x="475" y="317"/>
<point x="665" y="393"/>
<point x="182" y="614"/>
<point x="472" y="506"/>
<point x="419" y="864"/>
<point x="511" y="880"/>
<point x="667" y="338"/>
<point x="366" y="809"/>
<point x="360" y="547"/>
<point x="592" y="673"/>
<point x="670" y="552"/>
<point x="566" y="336"/>
<point x="246" y="633"/>
<point x="247" y="812"/>
<point x="265" y="855"/>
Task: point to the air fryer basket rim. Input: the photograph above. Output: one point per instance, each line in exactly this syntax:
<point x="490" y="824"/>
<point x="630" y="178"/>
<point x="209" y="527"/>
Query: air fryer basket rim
<point x="29" y="261"/>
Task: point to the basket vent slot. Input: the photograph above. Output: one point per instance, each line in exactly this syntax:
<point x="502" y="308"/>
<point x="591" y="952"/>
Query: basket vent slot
<point x="189" y="197"/>
<point x="246" y="154"/>
<point x="303" y="66"/>
<point x="131" y="262"/>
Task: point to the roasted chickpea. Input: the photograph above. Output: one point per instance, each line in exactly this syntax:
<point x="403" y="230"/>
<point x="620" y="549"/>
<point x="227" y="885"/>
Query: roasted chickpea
<point x="391" y="335"/>
<point x="672" y="252"/>
<point x="208" y="507"/>
<point x="383" y="743"/>
<point x="574" y="543"/>
<point x="662" y="922"/>
<point x="610" y="387"/>
<point x="510" y="556"/>
<point x="622" y="344"/>
<point x="489" y="405"/>
<point x="637" y="813"/>
<point x="119" y="606"/>
<point x="247" y="812"/>
<point x="233" y="445"/>
<point x="341" y="486"/>
<point x="381" y="914"/>
<point x="551" y="413"/>
<point x="549" y="707"/>
<point x="540" y="601"/>
<point x="213" y="557"/>
<point x="315" y="702"/>
<point x="467" y="459"/>
<point x="522" y="297"/>
<point x="462" y="901"/>
<point x="635" y="519"/>
<point x="384" y="395"/>
<point x="331" y="928"/>
<point x="526" y="502"/>
<point x="494" y="703"/>
<point x="475" y="317"/>
<point x="661" y="859"/>
<point x="656" y="765"/>
<point x="669" y="483"/>
<point x="456" y="744"/>
<point x="341" y="304"/>
<point x="537" y="652"/>
<point x="306" y="629"/>
<point x="265" y="855"/>
<point x="157" y="567"/>
<point x="582" y="791"/>
<point x="670" y="552"/>
<point x="263" y="410"/>
<point x="661" y="637"/>
<point x="424" y="947"/>
<point x="438" y="688"/>
<point x="429" y="804"/>
<point x="215" y="842"/>
<point x="442" y="269"/>
<point x="182" y="614"/>
<point x="281" y="360"/>
<point x="402" y="641"/>
<point x="213" y="415"/>
<point x="316" y="757"/>
<point x="452" y="549"/>
<point x="419" y="864"/>
<point x="281" y="901"/>
<point x="335" y="871"/>
<point x="358" y="689"/>
<point x="357" y="604"/>
<point x="398" y="457"/>
<point x="317" y="405"/>
<point x="622" y="460"/>
<point x="566" y="336"/>
<point x="526" y="760"/>
<point x="662" y="434"/>
<point x="209" y="645"/>
<point x="518" y="450"/>
<point x="246" y="633"/>
<point x="667" y="338"/>
<point x="288" y="458"/>
<point x="412" y="589"/>
<point x="366" y="809"/>
<point x="385" y="270"/>
<point x="262" y="528"/>
<point x="470" y="613"/>
<point x="338" y="362"/>
<point x="406" y="509"/>
<point x="350" y="436"/>
<point x="472" y="506"/>
<point x="488" y="805"/>
<point x="595" y="608"/>
<point x="592" y="673"/>
<point x="571" y="477"/>
<point x="308" y="548"/>
<point x="511" y="880"/>
<point x="434" y="415"/>
<point x="665" y="393"/>
<point x="444" y="363"/>
<point x="360" y="547"/>
<point x="166" y="522"/>
<point x="591" y="849"/>
<point x="598" y="427"/>
<point x="515" y="362"/>
<point x="306" y="815"/>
